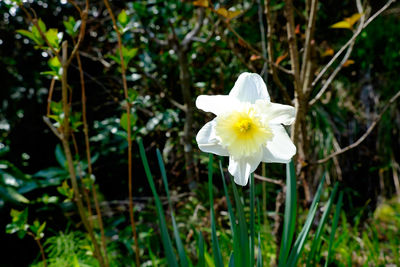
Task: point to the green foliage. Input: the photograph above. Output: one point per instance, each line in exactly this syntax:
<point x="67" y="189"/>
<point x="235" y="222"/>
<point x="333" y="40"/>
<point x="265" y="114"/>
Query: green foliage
<point x="19" y="223"/>
<point x="127" y="53"/>
<point x="12" y="183"/>
<point x="69" y="249"/>
<point x="72" y="26"/>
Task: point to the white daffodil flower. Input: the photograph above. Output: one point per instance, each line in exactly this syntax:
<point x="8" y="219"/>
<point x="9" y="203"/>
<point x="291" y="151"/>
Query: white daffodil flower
<point x="248" y="127"/>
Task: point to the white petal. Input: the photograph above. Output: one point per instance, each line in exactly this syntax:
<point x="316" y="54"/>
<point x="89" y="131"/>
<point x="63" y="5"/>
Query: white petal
<point x="241" y="168"/>
<point x="216" y="104"/>
<point x="276" y="113"/>
<point x="249" y="87"/>
<point x="207" y="140"/>
<point x="281" y="148"/>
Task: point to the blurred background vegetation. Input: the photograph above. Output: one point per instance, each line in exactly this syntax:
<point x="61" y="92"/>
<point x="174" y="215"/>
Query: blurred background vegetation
<point x="164" y="77"/>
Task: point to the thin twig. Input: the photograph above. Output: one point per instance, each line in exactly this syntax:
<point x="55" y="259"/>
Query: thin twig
<point x="364" y="136"/>
<point x="341" y="64"/>
<point x="40" y="247"/>
<point x="52" y="83"/>
<point x="68" y="154"/>
<point x="309" y="37"/>
<point x="89" y="157"/>
<point x="355" y="35"/>
<point x="308" y="64"/>
<point x="82" y="30"/>
<point x="269" y="180"/>
<point x="129" y="130"/>
<point x="270" y="51"/>
<point x="264" y="71"/>
<point x="52" y="128"/>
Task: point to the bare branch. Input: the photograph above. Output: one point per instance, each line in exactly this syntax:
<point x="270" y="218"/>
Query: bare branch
<point x="345" y="58"/>
<point x="264" y="71"/>
<point x="355" y="35"/>
<point x="129" y="130"/>
<point x="52" y="128"/>
<point x="196" y="30"/>
<point x="364" y="136"/>
<point x="309" y="37"/>
<point x="293" y="52"/>
<point x="270" y="51"/>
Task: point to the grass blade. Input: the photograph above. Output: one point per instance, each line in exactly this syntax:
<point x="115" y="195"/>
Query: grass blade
<point x="242" y="243"/>
<point x="228" y="201"/>
<point x="334" y="226"/>
<point x="201" y="262"/>
<point x="235" y="234"/>
<point x="259" y="255"/>
<point x="317" y="237"/>
<point x="166" y="240"/>
<point x="252" y="197"/>
<point x="300" y="241"/>
<point x="179" y="245"/>
<point x="290" y="214"/>
<point x="214" y="238"/>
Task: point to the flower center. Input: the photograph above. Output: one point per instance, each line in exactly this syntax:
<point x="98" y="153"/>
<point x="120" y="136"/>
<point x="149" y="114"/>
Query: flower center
<point x="244" y="125"/>
<point x="242" y="132"/>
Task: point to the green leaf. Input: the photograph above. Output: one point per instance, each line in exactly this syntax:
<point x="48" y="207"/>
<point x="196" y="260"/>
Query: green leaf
<point x="55" y="64"/>
<point x="40" y="230"/>
<point x="214" y="238"/>
<point x="232" y="219"/>
<point x="60" y="157"/>
<point x="165" y="238"/>
<point x="259" y="256"/>
<point x="38" y="38"/>
<point x="236" y="242"/>
<point x="42" y="26"/>
<point x="53" y="38"/>
<point x="181" y="250"/>
<point x="128" y="54"/>
<point x="12" y="194"/>
<point x="124" y="120"/>
<point x="242" y="236"/>
<point x="71" y="26"/>
<point x="201" y="260"/>
<point x="334" y="227"/>
<point x="318" y="233"/>
<point x="252" y="212"/>
<point x="27" y="34"/>
<point x="290" y="214"/>
<point x="123" y="18"/>
<point x="300" y="241"/>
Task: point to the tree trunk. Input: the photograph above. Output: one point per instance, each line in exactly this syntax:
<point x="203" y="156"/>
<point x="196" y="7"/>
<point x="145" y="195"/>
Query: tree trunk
<point x="187" y="138"/>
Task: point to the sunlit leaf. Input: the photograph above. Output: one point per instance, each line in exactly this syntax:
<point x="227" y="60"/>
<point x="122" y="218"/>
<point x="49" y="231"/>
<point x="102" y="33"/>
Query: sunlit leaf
<point x="123" y="18"/>
<point x="341" y="25"/>
<point x="254" y="57"/>
<point x="347" y="23"/>
<point x="202" y="3"/>
<point x="53" y="38"/>
<point x="297" y="30"/>
<point x="71" y="26"/>
<point x="281" y="58"/>
<point x="54" y="64"/>
<point x="26" y="34"/>
<point x="328" y="52"/>
<point x="228" y="14"/>
<point x="348" y="63"/>
<point x="124" y="120"/>
<point x="353" y="19"/>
